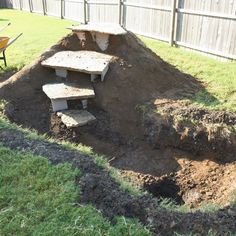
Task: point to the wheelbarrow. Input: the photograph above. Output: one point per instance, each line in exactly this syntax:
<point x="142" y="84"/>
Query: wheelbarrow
<point x="5" y="42"/>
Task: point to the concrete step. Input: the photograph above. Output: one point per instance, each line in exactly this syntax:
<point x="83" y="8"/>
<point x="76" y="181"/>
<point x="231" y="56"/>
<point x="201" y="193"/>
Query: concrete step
<point x="99" y="31"/>
<point x="68" y="91"/>
<point x="59" y="93"/>
<point x="89" y="62"/>
<point x="75" y="118"/>
<point x="105" y="28"/>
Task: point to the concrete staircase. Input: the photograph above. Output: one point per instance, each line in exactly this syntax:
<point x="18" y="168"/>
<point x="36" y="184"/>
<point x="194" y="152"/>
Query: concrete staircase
<point x="93" y="63"/>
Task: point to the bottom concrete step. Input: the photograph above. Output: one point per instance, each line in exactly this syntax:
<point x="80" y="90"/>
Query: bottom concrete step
<point x="75" y="118"/>
<point x="59" y="93"/>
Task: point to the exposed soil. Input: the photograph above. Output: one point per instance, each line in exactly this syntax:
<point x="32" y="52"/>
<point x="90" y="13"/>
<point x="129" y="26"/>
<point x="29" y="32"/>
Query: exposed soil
<point x="170" y="123"/>
<point x="188" y="163"/>
<point x="196" y="183"/>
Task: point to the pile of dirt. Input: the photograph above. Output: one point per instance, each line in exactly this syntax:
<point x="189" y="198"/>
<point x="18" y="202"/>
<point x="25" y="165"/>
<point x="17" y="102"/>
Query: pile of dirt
<point x="135" y="77"/>
<point x="170" y="123"/>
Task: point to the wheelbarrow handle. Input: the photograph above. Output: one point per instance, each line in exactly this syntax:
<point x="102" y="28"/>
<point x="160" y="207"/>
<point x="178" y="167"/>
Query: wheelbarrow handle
<point x="10" y="42"/>
<point x="14" y="39"/>
<point x="3" y="28"/>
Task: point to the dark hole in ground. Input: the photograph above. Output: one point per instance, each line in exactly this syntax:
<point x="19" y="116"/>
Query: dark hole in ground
<point x="165" y="188"/>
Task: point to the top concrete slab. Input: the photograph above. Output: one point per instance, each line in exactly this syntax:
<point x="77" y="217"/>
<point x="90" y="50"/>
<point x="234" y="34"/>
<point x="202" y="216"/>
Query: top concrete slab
<point x="105" y="28"/>
<point x="68" y="91"/>
<point x="83" y="61"/>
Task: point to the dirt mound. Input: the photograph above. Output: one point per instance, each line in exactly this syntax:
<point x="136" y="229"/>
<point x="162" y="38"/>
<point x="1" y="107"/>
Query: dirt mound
<point x="138" y="75"/>
<point x="135" y="77"/>
<point x="170" y="123"/>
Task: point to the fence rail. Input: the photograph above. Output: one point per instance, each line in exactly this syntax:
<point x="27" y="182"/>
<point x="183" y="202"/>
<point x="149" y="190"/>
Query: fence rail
<point x="203" y="25"/>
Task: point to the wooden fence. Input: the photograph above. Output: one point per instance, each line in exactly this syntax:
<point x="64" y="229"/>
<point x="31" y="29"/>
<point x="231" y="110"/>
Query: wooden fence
<point x="208" y="26"/>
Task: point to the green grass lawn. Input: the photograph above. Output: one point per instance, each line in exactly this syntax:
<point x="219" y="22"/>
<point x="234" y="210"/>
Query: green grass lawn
<point x="219" y="77"/>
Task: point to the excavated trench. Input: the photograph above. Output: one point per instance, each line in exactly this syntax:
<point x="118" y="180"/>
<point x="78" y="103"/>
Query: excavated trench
<point x="190" y="164"/>
<point x="166" y="172"/>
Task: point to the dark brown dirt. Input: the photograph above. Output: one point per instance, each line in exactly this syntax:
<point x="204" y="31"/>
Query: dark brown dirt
<point x="158" y="161"/>
<point x="194" y="183"/>
<point x="170" y="123"/>
<point x="99" y="188"/>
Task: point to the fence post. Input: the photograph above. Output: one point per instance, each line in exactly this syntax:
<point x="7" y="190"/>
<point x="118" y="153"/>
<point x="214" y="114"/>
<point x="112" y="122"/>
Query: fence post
<point x="30" y="6"/>
<point x="85" y="12"/>
<point x="44" y="8"/>
<point x="20" y="1"/>
<point x="172" y="26"/>
<point x="62" y="8"/>
<point x="120" y="11"/>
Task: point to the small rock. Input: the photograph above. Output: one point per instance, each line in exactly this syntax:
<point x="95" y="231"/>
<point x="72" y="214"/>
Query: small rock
<point x="231" y="212"/>
<point x="209" y="194"/>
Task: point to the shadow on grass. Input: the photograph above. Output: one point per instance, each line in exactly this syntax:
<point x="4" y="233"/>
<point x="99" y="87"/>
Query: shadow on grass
<point x="203" y="98"/>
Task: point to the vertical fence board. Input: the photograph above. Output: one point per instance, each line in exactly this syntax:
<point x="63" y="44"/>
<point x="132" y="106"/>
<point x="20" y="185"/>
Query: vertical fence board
<point x="107" y="12"/>
<point x="151" y="20"/>
<point x="37" y="6"/>
<point x="53" y="7"/>
<point x="74" y="10"/>
<point x="213" y="34"/>
<point x="15" y="4"/>
<point x="25" y="5"/>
